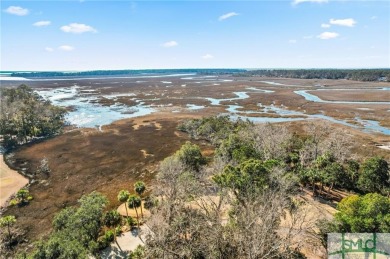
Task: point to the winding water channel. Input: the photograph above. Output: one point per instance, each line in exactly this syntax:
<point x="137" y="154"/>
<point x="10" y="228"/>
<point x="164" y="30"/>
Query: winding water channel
<point x="87" y="112"/>
<point x="314" y="98"/>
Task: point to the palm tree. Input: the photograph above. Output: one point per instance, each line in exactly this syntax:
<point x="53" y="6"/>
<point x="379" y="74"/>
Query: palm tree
<point x="22" y="195"/>
<point x="8" y="221"/>
<point x="139" y="188"/>
<point x="112" y="219"/>
<point x="123" y="196"/>
<point x="134" y="202"/>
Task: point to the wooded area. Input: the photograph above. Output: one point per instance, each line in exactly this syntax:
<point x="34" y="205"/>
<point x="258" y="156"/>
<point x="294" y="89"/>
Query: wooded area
<point x="349" y="74"/>
<point x="24" y="116"/>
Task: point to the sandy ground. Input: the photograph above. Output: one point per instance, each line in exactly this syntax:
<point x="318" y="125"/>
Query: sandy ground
<point x="122" y="210"/>
<point x="313" y="209"/>
<point x="125" y="243"/>
<point x="10" y="182"/>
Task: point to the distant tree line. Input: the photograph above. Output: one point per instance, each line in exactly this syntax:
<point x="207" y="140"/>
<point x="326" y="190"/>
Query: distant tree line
<point x="143" y="72"/>
<point x="24" y="115"/>
<point x="350" y="74"/>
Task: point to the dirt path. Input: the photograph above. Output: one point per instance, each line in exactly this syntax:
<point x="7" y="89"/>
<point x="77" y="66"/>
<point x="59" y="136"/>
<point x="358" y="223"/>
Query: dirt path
<point x="10" y="182"/>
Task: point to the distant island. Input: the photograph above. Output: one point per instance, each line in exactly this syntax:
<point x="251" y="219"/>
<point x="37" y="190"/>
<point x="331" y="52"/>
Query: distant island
<point x="126" y="72"/>
<point x="349" y="74"/>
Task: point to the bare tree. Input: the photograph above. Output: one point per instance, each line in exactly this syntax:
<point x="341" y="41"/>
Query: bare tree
<point x="322" y="138"/>
<point x="337" y="143"/>
<point x="317" y="132"/>
<point x="195" y="218"/>
<point x="271" y="140"/>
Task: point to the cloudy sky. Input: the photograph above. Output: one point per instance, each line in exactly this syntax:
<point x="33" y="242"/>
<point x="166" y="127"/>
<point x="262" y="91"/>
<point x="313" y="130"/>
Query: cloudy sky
<point x="86" y="35"/>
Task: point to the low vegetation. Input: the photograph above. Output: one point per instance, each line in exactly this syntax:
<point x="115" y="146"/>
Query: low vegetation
<point x="240" y="203"/>
<point x="7" y="222"/>
<point x="22" y="197"/>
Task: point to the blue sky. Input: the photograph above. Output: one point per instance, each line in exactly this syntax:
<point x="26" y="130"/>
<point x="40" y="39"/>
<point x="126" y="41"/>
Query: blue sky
<point x="88" y="35"/>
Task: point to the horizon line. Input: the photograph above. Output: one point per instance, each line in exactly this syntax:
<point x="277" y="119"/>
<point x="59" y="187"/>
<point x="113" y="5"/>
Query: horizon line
<point x="193" y="68"/>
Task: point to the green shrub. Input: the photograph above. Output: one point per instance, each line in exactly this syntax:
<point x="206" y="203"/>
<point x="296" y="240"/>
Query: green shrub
<point x="118" y="230"/>
<point x="131" y="221"/>
<point x="109" y="236"/>
<point x="112" y="218"/>
<point x="13" y="202"/>
<point x="102" y="243"/>
<point x="138" y="253"/>
<point x="150" y="202"/>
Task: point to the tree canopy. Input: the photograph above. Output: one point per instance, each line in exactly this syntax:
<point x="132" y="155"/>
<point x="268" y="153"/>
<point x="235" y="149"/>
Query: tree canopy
<point x="24" y="115"/>
<point x="367" y="213"/>
<point x="352" y="74"/>
<point x="76" y="230"/>
<point x="374" y="175"/>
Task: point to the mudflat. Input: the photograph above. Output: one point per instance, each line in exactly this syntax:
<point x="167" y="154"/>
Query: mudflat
<point x="10" y="182"/>
<point x="85" y="160"/>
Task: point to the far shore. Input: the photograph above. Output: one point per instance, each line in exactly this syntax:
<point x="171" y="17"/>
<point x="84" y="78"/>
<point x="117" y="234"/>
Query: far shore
<point x="10" y="182"/>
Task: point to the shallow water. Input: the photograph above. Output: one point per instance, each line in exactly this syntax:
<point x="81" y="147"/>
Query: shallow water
<point x="365" y="125"/>
<point x="240" y="96"/>
<point x="258" y="89"/>
<point x="274" y="83"/>
<point x="314" y="98"/>
<point x="195" y="107"/>
<point x="233" y="110"/>
<point x="87" y="112"/>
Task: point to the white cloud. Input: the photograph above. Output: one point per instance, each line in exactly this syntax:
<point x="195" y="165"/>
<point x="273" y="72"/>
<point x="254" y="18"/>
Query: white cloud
<point x="292" y="41"/>
<point x="170" y="44"/>
<point x="296" y="2"/>
<point x="48" y="49"/>
<point x="42" y="23"/>
<point x="308" y="37"/>
<point x="227" y="16"/>
<point x="207" y="56"/>
<point x="325" y="25"/>
<point x="17" y="10"/>
<point x="328" y="35"/>
<point x="77" y="28"/>
<point x="374" y="17"/>
<point x="66" y="48"/>
<point x="343" y="22"/>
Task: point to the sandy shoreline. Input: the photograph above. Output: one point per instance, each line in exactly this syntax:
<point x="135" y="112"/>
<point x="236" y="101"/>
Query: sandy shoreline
<point x="10" y="182"/>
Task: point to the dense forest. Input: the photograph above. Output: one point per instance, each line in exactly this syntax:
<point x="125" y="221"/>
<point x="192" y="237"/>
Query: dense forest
<point x="350" y="74"/>
<point x="142" y="72"/>
<point x="24" y="116"/>
<point x="241" y="202"/>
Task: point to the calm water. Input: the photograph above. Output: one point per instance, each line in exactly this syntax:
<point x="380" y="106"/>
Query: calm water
<point x="86" y="112"/>
<point x="314" y="98"/>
